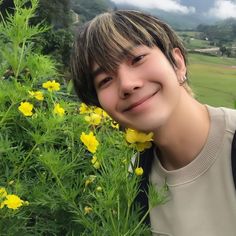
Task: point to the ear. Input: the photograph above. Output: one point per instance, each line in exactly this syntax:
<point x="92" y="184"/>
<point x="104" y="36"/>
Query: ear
<point x="180" y="66"/>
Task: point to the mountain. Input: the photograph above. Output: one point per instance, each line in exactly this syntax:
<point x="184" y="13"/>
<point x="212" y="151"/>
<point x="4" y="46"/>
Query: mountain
<point x="200" y="6"/>
<point x="181" y="21"/>
<point x="89" y="9"/>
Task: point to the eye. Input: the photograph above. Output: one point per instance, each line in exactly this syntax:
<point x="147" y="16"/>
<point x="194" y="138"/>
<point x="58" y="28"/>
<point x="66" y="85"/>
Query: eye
<point x="104" y="82"/>
<point x="137" y="59"/>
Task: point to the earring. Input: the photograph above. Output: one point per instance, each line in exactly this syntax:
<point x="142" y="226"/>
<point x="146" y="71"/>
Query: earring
<point x="183" y="80"/>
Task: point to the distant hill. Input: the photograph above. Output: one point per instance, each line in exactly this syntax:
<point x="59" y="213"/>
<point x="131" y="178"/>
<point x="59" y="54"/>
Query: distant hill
<point x="200" y="6"/>
<point x="179" y="21"/>
<point x="223" y="32"/>
<point x="88" y="9"/>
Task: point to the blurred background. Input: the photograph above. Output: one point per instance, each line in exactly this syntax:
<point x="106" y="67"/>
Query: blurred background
<point x="207" y="28"/>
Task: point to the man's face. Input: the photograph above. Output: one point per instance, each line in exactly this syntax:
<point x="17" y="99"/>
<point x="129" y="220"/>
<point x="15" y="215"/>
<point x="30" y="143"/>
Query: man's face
<point x="144" y="91"/>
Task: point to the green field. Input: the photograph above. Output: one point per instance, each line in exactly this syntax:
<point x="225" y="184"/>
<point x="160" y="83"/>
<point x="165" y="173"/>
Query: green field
<point x="197" y="43"/>
<point x="191" y="40"/>
<point x="213" y="79"/>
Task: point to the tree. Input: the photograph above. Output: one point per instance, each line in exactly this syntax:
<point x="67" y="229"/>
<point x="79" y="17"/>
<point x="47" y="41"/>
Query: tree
<point x="57" y="41"/>
<point x="228" y="52"/>
<point x="224" y="31"/>
<point x="89" y="9"/>
<point x="6" y="6"/>
<point x="54" y="12"/>
<point x="223" y="50"/>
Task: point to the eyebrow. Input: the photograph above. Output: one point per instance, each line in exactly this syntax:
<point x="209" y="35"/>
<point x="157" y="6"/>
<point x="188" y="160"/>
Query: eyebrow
<point x="97" y="72"/>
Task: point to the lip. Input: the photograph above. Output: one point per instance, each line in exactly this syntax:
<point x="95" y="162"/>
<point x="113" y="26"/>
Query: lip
<point x="139" y="102"/>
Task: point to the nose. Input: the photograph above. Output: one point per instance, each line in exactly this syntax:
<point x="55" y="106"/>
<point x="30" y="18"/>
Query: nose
<point x="129" y="81"/>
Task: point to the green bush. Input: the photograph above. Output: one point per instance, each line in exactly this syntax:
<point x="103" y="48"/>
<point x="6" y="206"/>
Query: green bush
<point x="64" y="166"/>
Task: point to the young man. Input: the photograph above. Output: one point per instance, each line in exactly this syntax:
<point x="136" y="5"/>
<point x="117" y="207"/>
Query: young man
<point x="134" y="66"/>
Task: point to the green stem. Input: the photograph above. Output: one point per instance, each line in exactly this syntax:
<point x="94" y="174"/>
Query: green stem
<point x="118" y="206"/>
<point x="25" y="160"/>
<point x="21" y="57"/>
<point x="51" y="98"/>
<point x="6" y="113"/>
<point x="127" y="216"/>
<point x="112" y="221"/>
<point x="72" y="146"/>
<point x="118" y="212"/>
<point x="59" y="181"/>
<point x="138" y="225"/>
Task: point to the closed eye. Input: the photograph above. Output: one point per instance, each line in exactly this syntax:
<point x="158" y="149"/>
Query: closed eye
<point x="137" y="59"/>
<point x="104" y="82"/>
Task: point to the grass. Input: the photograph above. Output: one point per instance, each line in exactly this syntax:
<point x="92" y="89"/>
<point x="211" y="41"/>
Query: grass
<point x="192" y="41"/>
<point x="213" y="79"/>
<point x="198" y="43"/>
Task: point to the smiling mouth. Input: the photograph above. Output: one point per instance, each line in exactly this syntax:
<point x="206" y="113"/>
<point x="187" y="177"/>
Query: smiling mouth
<point x="136" y="104"/>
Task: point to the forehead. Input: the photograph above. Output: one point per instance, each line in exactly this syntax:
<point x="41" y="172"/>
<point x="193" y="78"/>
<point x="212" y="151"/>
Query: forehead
<point x="132" y="51"/>
<point x="110" y="61"/>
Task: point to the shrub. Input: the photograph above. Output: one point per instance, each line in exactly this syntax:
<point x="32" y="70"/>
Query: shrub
<point x="65" y="168"/>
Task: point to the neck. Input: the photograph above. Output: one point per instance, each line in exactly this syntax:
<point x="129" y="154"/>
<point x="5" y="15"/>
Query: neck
<point x="183" y="137"/>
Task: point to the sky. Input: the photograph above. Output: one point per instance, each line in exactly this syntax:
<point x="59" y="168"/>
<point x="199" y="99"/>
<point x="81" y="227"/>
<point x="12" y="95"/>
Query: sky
<point x="221" y="9"/>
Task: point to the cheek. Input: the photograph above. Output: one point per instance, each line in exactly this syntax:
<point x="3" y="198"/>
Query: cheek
<point x="107" y="101"/>
<point x="159" y="71"/>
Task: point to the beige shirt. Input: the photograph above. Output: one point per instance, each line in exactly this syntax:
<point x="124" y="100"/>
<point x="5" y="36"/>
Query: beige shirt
<point x="202" y="197"/>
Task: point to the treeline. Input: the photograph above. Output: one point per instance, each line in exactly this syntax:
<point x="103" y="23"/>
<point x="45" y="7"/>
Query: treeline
<point x="62" y="16"/>
<point x="59" y="13"/>
<point x="65" y="15"/>
<point x="223" y="33"/>
<point x="89" y="9"/>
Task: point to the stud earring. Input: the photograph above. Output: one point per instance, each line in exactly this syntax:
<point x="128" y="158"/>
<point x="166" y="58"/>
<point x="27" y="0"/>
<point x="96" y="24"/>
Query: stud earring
<point x="183" y="80"/>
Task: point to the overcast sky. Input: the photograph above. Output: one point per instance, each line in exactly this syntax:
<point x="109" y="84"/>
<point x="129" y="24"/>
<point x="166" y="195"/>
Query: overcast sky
<point x="220" y="8"/>
<point x="223" y="9"/>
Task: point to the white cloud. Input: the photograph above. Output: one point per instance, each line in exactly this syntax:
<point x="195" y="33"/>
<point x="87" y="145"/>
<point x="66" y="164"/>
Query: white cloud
<point x="223" y="9"/>
<point x="165" y="5"/>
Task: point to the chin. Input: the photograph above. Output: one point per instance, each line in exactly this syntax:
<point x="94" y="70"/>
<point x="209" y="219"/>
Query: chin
<point x="150" y="125"/>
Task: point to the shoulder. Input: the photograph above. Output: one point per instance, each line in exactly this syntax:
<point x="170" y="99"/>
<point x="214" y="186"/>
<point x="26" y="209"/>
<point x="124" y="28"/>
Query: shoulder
<point x="223" y="114"/>
<point x="230" y="118"/>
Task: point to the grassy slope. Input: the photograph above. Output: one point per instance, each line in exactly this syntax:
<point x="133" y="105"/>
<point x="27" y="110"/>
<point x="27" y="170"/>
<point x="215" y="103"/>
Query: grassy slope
<point x="213" y="79"/>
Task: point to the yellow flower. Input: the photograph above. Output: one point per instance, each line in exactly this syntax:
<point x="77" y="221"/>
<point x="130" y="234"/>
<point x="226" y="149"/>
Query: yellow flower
<point x="13" y="202"/>
<point x="84" y="109"/>
<point x="142" y="146"/>
<point x="98" y="111"/>
<point x="2" y="205"/>
<point x="87" y="210"/>
<point x="95" y="162"/>
<point x="138" y="139"/>
<point x="99" y="188"/>
<point x="11" y="182"/>
<point x="105" y="115"/>
<point x="51" y="85"/>
<point x="90" y="180"/>
<point x="26" y="203"/>
<point x="134" y="136"/>
<point x="138" y="171"/>
<point x="3" y="192"/>
<point x="90" y="141"/>
<point x="26" y="108"/>
<point x="38" y="95"/>
<point x="93" y="119"/>
<point x="114" y="124"/>
<point x="58" y="110"/>
<point x="101" y="112"/>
